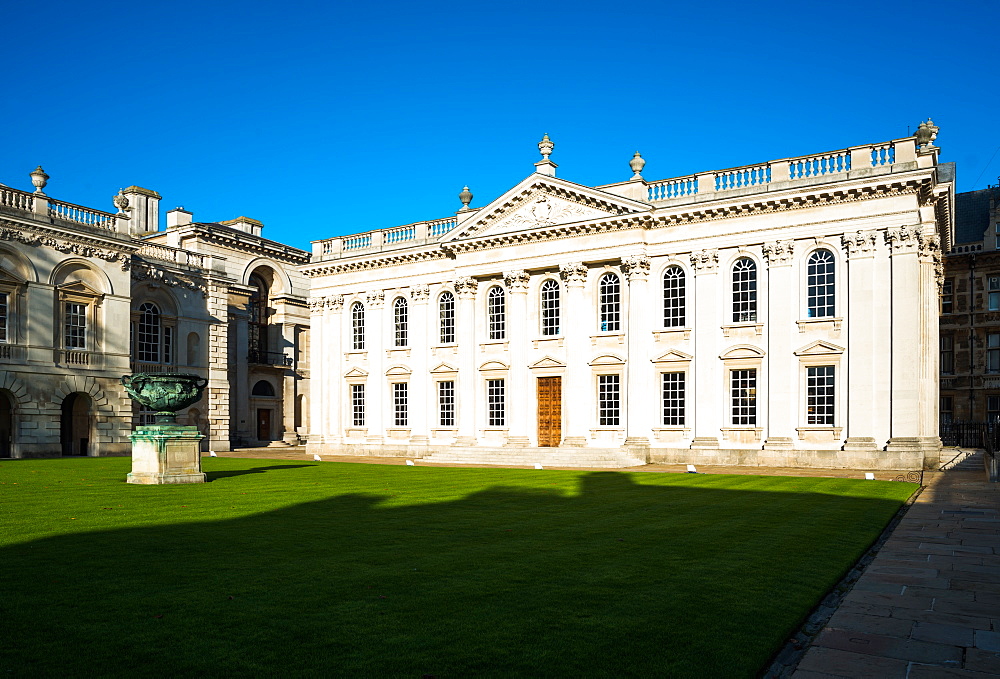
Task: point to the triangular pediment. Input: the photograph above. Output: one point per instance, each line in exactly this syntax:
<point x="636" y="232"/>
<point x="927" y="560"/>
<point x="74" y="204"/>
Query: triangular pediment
<point x="444" y="368"/>
<point x="674" y="356"/>
<point x="80" y="288"/>
<point x="547" y="362"/>
<point x="820" y="348"/>
<point x="11" y="277"/>
<point x="541" y="201"/>
<point x="356" y="372"/>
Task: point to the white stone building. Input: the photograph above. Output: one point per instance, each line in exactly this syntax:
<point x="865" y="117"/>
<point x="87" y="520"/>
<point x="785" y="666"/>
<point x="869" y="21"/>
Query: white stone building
<point x="87" y="296"/>
<point x="776" y="314"/>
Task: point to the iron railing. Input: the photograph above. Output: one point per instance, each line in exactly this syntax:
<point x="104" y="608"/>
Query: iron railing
<point x="269" y="358"/>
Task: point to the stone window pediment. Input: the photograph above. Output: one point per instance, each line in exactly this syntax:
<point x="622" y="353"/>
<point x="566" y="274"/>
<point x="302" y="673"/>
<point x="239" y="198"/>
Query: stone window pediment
<point x="547" y="362"/>
<point x="742" y="351"/>
<point x="674" y="356"/>
<point x="608" y="360"/>
<point x="820" y="348"/>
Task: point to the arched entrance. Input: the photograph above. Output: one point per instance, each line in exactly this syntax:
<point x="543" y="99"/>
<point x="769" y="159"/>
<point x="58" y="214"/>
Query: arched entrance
<point x="75" y="424"/>
<point x="6" y="425"/>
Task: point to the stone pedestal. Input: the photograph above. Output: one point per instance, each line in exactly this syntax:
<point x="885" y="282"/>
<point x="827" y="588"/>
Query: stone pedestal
<point x="166" y="453"/>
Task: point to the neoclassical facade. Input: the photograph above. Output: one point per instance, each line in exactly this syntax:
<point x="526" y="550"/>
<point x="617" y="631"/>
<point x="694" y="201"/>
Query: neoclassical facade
<point x="779" y="314"/>
<point x="87" y="296"/>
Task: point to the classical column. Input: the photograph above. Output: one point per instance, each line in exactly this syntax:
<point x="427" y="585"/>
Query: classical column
<point x="465" y="335"/>
<point x="709" y="397"/>
<point x="288" y="391"/>
<point x="782" y="373"/>
<point x="640" y="400"/>
<point x="420" y="390"/>
<point x="576" y="384"/>
<point x="376" y="410"/>
<point x="333" y="391"/>
<point x="519" y="397"/>
<point x="865" y="304"/>
<point x="908" y="340"/>
<point x="319" y="383"/>
<point x="931" y="283"/>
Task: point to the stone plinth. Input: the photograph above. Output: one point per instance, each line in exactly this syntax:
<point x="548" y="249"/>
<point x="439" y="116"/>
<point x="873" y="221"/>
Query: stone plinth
<point x="166" y="453"/>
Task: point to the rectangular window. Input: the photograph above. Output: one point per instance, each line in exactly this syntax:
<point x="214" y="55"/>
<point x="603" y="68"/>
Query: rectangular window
<point x="743" y="395"/>
<point x="993" y="284"/>
<point x="609" y="400"/>
<point x="947" y="410"/>
<point x="993" y="353"/>
<point x="3" y="317"/>
<point x="673" y="399"/>
<point x="992" y="408"/>
<point x="819" y="395"/>
<point x="947" y="354"/>
<point x="168" y="344"/>
<point x="399" y="403"/>
<point x="75" y="326"/>
<point x="358" y="405"/>
<point x="446" y="404"/>
<point x="947" y="296"/>
<point x="495" y="414"/>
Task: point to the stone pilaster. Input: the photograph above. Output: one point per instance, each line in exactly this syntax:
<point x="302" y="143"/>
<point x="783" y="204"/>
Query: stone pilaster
<point x="864" y="305"/>
<point x="520" y="397"/>
<point x="577" y="396"/>
<point x="782" y="374"/>
<point x="465" y="334"/>
<point x="708" y="416"/>
<point x="321" y="385"/>
<point x="220" y="418"/>
<point x="640" y="401"/>
<point x="334" y="391"/>
<point x="377" y="411"/>
<point x="421" y="396"/>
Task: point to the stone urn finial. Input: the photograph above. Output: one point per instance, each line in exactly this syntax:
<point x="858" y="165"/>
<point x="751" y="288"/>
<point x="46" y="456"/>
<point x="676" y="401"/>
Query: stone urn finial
<point x="637" y="163"/>
<point x="39" y="179"/>
<point x="120" y="201"/>
<point x="926" y="134"/>
<point x="545" y="146"/>
<point x="466" y="197"/>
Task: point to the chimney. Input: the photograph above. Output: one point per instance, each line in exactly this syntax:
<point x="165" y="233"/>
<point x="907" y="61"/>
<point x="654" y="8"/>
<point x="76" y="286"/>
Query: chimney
<point x="245" y="224"/>
<point x="144" y="210"/>
<point x="178" y="217"/>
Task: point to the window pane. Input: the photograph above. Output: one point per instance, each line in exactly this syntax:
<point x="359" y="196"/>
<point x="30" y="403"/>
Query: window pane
<point x="609" y="291"/>
<point x="673" y="399"/>
<point x="75" y="326"/>
<point x="446" y="311"/>
<point x="401" y="319"/>
<point x="819" y="395"/>
<point x="446" y="404"/>
<point x="673" y="297"/>
<point x="358" y="326"/>
<point x="744" y="291"/>
<point x="495" y="403"/>
<point x="358" y="404"/>
<point x="820" y="284"/>
<point x="550" y="307"/>
<point x="608" y="400"/>
<point x="400" y="398"/>
<point x="743" y="394"/>
<point x="3" y="317"/>
<point x="496" y="311"/>
<point x="148" y="348"/>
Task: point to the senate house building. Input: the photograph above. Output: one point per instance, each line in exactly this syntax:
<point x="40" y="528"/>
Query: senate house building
<point x="783" y="314"/>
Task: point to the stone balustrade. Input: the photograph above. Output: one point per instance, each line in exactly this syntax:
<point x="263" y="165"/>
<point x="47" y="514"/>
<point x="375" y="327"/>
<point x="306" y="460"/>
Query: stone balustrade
<point x="418" y="233"/>
<point x="17" y="200"/>
<point x="173" y="255"/>
<point x="78" y="214"/>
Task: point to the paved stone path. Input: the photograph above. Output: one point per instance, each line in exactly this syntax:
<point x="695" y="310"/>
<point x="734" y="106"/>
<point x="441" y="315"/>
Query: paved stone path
<point x="927" y="606"/>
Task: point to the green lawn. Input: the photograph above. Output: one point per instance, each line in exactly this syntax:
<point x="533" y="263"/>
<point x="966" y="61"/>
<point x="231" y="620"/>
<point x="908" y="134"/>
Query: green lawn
<point x="287" y="568"/>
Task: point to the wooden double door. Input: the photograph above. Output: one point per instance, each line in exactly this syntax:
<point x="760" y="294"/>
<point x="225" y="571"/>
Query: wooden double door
<point x="549" y="411"/>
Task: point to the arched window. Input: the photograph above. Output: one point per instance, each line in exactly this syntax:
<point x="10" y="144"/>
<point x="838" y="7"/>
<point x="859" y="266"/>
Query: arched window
<point x="152" y="339"/>
<point x="744" y="290"/>
<point x="496" y="313"/>
<point x="550" y="307"/>
<point x="358" y="326"/>
<point x="674" y="300"/>
<point x="610" y="302"/>
<point x="446" y="317"/>
<point x="258" y="344"/>
<point x="262" y="388"/>
<point x="148" y="336"/>
<point x="820" y="284"/>
<point x="401" y="320"/>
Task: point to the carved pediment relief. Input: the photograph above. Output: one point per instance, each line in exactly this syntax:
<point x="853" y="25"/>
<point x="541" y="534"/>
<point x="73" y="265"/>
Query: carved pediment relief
<point x="548" y="362"/>
<point x="674" y="356"/>
<point x="742" y="351"/>
<point x="820" y="348"/>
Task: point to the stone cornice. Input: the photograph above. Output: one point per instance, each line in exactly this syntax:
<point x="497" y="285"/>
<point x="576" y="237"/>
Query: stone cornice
<point x="235" y="239"/>
<point x="68" y="243"/>
<point x="378" y="262"/>
<point x="142" y="271"/>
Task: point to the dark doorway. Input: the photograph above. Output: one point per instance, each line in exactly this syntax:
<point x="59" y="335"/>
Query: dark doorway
<point x="75" y="424"/>
<point x="6" y="425"/>
<point x="263" y="424"/>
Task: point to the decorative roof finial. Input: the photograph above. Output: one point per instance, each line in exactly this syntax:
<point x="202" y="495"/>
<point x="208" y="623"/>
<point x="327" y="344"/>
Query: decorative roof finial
<point x="466" y="197"/>
<point x="120" y="201"/>
<point x="637" y="163"/>
<point x="39" y="179"/>
<point x="926" y="134"/>
<point x="545" y="146"/>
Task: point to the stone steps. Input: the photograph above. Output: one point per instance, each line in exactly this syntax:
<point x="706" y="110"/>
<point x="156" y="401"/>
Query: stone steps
<point x="528" y="457"/>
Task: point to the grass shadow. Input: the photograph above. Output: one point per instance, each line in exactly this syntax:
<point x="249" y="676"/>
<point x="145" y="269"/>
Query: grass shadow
<point x="223" y="474"/>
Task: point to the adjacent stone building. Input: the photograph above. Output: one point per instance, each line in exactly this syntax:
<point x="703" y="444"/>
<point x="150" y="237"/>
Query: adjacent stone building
<point x="783" y="313"/>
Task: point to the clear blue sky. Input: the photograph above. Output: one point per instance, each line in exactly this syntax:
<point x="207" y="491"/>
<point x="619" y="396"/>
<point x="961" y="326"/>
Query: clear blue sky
<point x="325" y="118"/>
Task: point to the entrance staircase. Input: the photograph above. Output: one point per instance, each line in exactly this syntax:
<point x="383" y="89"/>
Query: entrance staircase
<point x="601" y="458"/>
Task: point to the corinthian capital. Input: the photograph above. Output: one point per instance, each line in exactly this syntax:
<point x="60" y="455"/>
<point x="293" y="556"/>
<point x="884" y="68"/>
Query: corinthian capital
<point x="705" y="261"/>
<point x="903" y="239"/>
<point x="635" y="266"/>
<point x="516" y="281"/>
<point x="778" y="252"/>
<point x="573" y="273"/>
<point x="859" y="242"/>
<point x="465" y="287"/>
